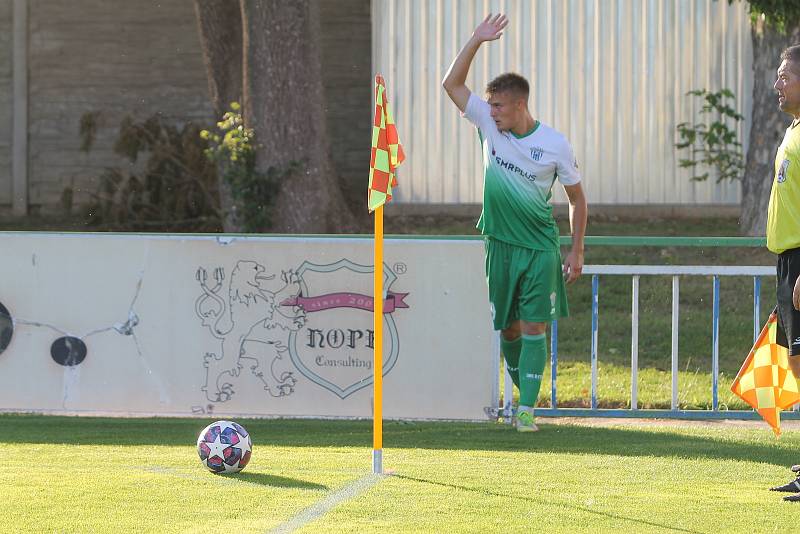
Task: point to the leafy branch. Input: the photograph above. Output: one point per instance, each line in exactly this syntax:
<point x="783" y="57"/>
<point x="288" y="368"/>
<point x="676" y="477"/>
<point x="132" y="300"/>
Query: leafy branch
<point x="232" y="146"/>
<point x="713" y="145"/>
<point x="781" y="14"/>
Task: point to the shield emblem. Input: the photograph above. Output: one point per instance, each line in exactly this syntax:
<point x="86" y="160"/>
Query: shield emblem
<point x="783" y="170"/>
<point x="334" y="349"/>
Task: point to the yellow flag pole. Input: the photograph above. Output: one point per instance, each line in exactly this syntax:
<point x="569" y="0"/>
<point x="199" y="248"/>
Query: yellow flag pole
<point x="377" y="381"/>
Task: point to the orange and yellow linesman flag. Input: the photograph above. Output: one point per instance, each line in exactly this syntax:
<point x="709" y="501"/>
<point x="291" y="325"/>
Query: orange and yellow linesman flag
<point x="387" y="152"/>
<point x="765" y="380"/>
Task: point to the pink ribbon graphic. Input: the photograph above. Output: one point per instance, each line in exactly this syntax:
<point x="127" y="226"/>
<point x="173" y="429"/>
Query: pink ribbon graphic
<point x="346" y="300"/>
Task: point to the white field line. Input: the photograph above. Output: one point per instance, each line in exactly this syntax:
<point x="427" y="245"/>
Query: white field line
<point x="323" y="506"/>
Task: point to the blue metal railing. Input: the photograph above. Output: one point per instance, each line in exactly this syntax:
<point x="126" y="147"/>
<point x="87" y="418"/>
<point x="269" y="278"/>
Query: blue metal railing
<point x="636" y="271"/>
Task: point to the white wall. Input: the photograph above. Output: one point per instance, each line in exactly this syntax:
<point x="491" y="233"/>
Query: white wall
<point x="611" y="74"/>
<point x="138" y="306"/>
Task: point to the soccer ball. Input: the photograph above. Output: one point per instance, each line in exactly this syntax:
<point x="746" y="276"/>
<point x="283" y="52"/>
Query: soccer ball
<point x="224" y="447"/>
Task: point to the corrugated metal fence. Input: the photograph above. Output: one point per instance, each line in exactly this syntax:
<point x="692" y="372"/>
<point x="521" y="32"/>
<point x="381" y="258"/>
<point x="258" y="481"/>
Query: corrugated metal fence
<point x="611" y="74"/>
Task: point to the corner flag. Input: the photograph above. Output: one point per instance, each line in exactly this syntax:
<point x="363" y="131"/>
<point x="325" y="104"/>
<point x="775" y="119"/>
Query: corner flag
<point x="765" y="381"/>
<point x="387" y="154"/>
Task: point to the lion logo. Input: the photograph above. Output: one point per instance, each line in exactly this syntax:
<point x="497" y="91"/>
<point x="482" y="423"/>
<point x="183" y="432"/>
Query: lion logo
<point x="252" y="328"/>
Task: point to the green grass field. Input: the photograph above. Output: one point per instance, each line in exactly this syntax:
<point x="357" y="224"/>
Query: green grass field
<point x="99" y="475"/>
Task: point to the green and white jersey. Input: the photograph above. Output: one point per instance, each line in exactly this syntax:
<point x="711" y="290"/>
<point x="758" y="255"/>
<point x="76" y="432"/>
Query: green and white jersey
<point x="518" y="177"/>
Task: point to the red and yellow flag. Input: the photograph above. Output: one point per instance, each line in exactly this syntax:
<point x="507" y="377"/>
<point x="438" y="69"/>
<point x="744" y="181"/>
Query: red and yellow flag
<point x="765" y="380"/>
<point x="387" y="152"/>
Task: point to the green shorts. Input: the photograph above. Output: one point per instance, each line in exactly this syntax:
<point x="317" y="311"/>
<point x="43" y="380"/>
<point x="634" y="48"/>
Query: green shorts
<point x="524" y="284"/>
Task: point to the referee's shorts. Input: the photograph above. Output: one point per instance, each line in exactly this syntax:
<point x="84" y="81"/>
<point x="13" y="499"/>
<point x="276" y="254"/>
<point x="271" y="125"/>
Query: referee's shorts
<point x="788" y="334"/>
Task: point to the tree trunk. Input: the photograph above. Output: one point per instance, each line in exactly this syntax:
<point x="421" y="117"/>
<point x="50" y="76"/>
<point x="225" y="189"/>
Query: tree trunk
<point x="767" y="127"/>
<point x="283" y="103"/>
<point x="219" y="23"/>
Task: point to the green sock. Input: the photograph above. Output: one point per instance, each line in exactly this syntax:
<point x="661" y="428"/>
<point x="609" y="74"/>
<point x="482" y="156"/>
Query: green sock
<point x="531" y="366"/>
<point x="510" y="350"/>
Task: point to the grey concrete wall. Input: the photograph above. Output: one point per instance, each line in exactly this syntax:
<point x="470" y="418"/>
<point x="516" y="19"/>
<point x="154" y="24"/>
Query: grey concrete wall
<point x="6" y="91"/>
<point x="118" y="57"/>
<point x="113" y="57"/>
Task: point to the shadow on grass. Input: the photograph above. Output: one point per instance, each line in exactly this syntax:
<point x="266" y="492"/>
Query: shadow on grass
<point x="255" y="479"/>
<point x="547" y="502"/>
<point x="274" y="481"/>
<point x="731" y="443"/>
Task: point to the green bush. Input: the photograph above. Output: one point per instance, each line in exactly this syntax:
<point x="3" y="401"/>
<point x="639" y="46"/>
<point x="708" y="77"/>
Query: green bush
<point x="714" y="145"/>
<point x="169" y="185"/>
<point x="232" y="148"/>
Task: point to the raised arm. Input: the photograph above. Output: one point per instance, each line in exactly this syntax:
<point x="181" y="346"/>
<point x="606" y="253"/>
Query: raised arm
<point x="454" y="82"/>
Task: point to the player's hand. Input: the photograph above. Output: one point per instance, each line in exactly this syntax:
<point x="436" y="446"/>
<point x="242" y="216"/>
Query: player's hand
<point x="491" y="28"/>
<point x="573" y="266"/>
<point x="796" y="294"/>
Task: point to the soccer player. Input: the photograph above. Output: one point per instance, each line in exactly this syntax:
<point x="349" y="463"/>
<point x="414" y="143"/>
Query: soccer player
<point x="783" y="223"/>
<point x="522" y="159"/>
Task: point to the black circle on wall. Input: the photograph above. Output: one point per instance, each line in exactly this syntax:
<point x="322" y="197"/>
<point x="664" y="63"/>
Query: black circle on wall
<point x="68" y="351"/>
<point x="6" y="328"/>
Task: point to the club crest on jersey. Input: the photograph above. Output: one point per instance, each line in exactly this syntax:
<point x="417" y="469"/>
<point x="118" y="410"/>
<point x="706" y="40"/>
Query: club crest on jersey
<point x="782" y="171"/>
<point x="536" y="153"/>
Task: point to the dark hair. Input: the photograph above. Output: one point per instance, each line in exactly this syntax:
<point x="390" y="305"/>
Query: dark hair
<point x="510" y="82"/>
<point x="792" y="54"/>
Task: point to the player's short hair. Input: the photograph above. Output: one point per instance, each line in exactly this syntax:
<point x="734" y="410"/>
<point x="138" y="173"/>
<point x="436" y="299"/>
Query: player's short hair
<point x="509" y="82"/>
<point x="792" y="54"/>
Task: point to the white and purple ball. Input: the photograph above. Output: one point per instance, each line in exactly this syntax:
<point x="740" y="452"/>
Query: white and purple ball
<point x="224" y="447"/>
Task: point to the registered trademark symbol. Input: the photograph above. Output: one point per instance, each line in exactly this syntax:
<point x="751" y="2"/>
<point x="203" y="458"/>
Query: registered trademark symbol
<point x="400" y="268"/>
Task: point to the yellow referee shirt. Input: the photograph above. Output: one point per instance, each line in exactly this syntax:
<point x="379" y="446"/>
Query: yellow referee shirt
<point x="783" y="217"/>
